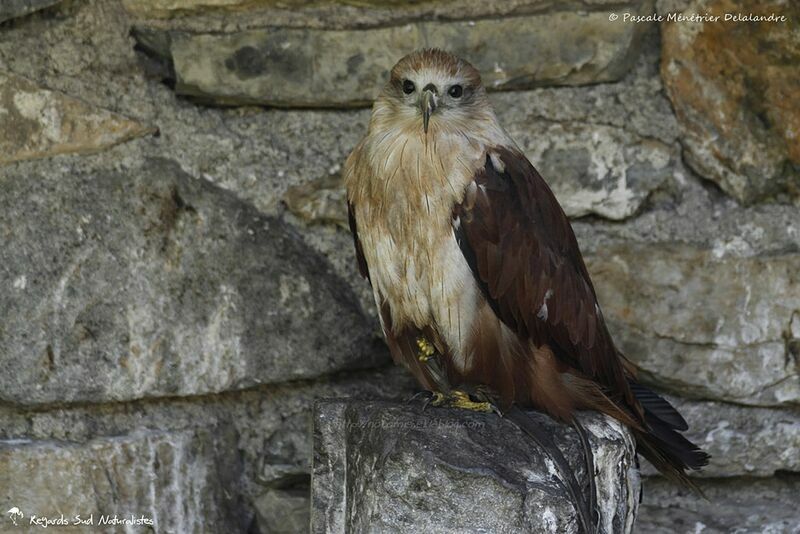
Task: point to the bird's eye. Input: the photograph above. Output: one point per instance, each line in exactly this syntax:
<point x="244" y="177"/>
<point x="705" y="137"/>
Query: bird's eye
<point x="408" y="87"/>
<point x="455" y="91"/>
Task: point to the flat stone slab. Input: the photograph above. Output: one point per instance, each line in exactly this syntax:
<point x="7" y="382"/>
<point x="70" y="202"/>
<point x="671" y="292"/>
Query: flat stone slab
<point x="10" y="9"/>
<point x="703" y="323"/>
<point x="147" y="282"/>
<point x="739" y="113"/>
<point x="36" y="122"/>
<point x="309" y="67"/>
<point x="742" y="505"/>
<point x="388" y="467"/>
<point x="146" y="481"/>
<point x="743" y="441"/>
<point x="597" y="169"/>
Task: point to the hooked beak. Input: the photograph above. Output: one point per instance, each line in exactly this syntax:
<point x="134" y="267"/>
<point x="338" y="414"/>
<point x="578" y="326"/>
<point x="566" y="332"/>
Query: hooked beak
<point x="428" y="105"/>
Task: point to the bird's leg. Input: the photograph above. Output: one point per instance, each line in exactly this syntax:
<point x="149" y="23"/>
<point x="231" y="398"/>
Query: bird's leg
<point x="426" y="349"/>
<point x="429" y="358"/>
<point x="445" y="395"/>
<point x="590" y="472"/>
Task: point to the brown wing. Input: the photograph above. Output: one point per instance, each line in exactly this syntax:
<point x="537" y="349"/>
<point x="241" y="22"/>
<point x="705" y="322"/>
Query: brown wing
<point x="362" y="261"/>
<point x="525" y="257"/>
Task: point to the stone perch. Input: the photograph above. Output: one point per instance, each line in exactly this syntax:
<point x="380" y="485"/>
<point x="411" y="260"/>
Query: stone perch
<point x="392" y="467"/>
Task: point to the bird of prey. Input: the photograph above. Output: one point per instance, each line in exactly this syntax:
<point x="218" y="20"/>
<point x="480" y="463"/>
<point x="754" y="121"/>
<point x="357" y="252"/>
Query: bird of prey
<point x="481" y="288"/>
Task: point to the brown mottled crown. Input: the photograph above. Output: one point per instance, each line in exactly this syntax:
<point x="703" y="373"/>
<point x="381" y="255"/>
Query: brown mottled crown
<point x="435" y="58"/>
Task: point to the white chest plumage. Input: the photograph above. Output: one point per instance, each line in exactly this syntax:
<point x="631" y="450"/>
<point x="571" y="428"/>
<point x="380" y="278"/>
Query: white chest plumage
<point x="404" y="207"/>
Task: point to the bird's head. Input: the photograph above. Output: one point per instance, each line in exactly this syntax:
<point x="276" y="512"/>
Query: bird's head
<point x="432" y="89"/>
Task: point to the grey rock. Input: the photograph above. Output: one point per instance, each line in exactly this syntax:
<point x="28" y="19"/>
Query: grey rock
<point x="36" y="123"/>
<point x="593" y="168"/>
<point x="635" y="104"/>
<point x="300" y="67"/>
<point x="685" y="212"/>
<point x="742" y="441"/>
<point x="122" y="285"/>
<point x="392" y="467"/>
<point x="233" y="15"/>
<point x="740" y="505"/>
<point x="309" y="8"/>
<point x="272" y="422"/>
<point x="283" y="511"/>
<point x="84" y="49"/>
<point x="703" y="324"/>
<point x="286" y="452"/>
<point x="665" y="7"/>
<point x="323" y="200"/>
<point x="10" y="9"/>
<point x="181" y="481"/>
<point x="603" y="148"/>
<point x="739" y="114"/>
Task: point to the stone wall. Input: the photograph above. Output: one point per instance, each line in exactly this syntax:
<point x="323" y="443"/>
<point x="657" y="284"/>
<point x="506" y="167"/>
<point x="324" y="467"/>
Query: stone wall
<point x="177" y="287"/>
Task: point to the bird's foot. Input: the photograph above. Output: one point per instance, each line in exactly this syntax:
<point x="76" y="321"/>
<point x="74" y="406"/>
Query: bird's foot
<point x="426" y="349"/>
<point x="459" y="399"/>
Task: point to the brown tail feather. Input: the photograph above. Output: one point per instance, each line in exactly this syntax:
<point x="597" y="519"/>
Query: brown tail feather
<point x="651" y="449"/>
<point x="655" y="423"/>
<point x="661" y="442"/>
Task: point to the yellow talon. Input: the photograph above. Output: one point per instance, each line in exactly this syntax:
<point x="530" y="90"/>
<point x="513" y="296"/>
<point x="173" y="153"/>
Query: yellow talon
<point x="426" y="350"/>
<point x="459" y="399"/>
<point x="438" y="398"/>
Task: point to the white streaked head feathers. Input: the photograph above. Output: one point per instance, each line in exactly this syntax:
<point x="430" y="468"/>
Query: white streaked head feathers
<point x="462" y="107"/>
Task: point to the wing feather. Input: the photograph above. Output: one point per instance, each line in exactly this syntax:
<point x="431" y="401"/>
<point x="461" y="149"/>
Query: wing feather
<point x="524" y="254"/>
<point x="362" y="261"/>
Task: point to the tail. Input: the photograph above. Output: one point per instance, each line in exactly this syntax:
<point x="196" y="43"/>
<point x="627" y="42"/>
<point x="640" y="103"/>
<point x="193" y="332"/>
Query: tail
<point x="661" y="441"/>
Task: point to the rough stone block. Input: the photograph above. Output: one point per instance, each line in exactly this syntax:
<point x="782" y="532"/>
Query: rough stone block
<point x="147" y="282"/>
<point x="596" y="169"/>
<point x="704" y="324"/>
<point x="380" y="467"/>
<point x="309" y="67"/>
<point x="739" y="112"/>
<point x="283" y="511"/>
<point x="180" y="481"/>
<point x="742" y="441"/>
<point x="10" y="9"/>
<point x="36" y="122"/>
<point x="369" y="10"/>
<point x="744" y="505"/>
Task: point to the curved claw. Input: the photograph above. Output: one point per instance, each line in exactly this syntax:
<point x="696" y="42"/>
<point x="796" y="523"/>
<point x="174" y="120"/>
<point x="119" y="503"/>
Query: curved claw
<point x="459" y="399"/>
<point x="432" y="398"/>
